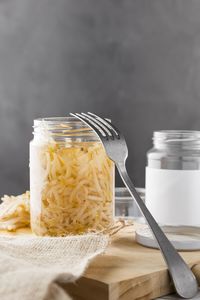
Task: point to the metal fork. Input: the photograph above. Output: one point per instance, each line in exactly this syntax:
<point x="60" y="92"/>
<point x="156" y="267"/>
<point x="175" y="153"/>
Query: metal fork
<point x="185" y="282"/>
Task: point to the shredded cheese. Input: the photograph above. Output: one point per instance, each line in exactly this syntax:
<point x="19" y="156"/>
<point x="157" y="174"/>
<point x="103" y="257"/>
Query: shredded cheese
<point x="76" y="195"/>
<point x="15" y="212"/>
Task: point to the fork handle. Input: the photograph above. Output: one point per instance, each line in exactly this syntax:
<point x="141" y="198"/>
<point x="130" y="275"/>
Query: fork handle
<point x="184" y="280"/>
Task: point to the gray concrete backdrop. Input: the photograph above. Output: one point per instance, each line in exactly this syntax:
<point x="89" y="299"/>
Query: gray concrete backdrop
<point x="134" y="61"/>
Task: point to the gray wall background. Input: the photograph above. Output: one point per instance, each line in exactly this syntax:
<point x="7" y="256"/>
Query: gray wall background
<point x="134" y="61"/>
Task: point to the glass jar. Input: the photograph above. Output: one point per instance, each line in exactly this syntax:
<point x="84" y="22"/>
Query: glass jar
<point x="173" y="177"/>
<point x="71" y="179"/>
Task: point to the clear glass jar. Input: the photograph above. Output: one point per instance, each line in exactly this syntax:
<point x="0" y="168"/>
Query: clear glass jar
<point x="173" y="177"/>
<point x="71" y="179"/>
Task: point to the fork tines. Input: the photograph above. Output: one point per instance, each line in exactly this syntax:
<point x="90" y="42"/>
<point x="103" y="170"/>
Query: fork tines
<point x="101" y="126"/>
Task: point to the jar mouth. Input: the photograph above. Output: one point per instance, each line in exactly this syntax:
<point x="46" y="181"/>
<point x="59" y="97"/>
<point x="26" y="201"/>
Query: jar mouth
<point x="56" y="120"/>
<point x="63" y="127"/>
<point x="181" y="138"/>
<point x="176" y="134"/>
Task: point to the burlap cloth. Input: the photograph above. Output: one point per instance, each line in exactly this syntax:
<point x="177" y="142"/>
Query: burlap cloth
<point x="31" y="268"/>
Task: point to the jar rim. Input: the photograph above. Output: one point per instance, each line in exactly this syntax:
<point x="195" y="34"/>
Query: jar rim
<point x="185" y="139"/>
<point x="62" y="128"/>
<point x="57" y="121"/>
<point x="174" y="133"/>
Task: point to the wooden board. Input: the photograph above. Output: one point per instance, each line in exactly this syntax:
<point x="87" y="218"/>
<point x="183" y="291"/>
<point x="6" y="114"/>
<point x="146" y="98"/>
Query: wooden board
<point x="126" y="271"/>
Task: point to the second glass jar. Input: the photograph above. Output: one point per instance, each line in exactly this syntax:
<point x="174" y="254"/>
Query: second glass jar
<point x="173" y="177"/>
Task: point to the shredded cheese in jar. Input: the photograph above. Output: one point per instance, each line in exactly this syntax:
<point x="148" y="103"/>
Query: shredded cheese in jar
<point x="72" y="187"/>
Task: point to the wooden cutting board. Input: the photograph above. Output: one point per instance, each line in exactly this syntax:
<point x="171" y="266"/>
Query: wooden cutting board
<point x="126" y="271"/>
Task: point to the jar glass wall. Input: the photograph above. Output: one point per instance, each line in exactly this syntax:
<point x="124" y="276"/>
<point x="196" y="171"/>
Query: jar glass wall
<point x="71" y="179"/>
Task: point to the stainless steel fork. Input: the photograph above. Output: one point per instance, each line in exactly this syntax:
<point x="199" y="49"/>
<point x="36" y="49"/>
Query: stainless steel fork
<point x="185" y="282"/>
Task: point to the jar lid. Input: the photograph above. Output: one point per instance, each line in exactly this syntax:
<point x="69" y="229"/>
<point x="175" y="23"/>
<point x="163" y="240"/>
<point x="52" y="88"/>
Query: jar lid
<point x="182" y="237"/>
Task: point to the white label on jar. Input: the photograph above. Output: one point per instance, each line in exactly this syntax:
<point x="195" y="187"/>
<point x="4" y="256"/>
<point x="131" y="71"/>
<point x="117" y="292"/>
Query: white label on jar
<point x="173" y="196"/>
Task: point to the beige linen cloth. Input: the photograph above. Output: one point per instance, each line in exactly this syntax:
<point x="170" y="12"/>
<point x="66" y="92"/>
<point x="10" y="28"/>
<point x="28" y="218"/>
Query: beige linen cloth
<point x="31" y="268"/>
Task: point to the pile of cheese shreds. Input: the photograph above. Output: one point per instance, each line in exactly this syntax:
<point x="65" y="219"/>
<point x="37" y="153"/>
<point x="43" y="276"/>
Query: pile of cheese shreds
<point x="15" y="212"/>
